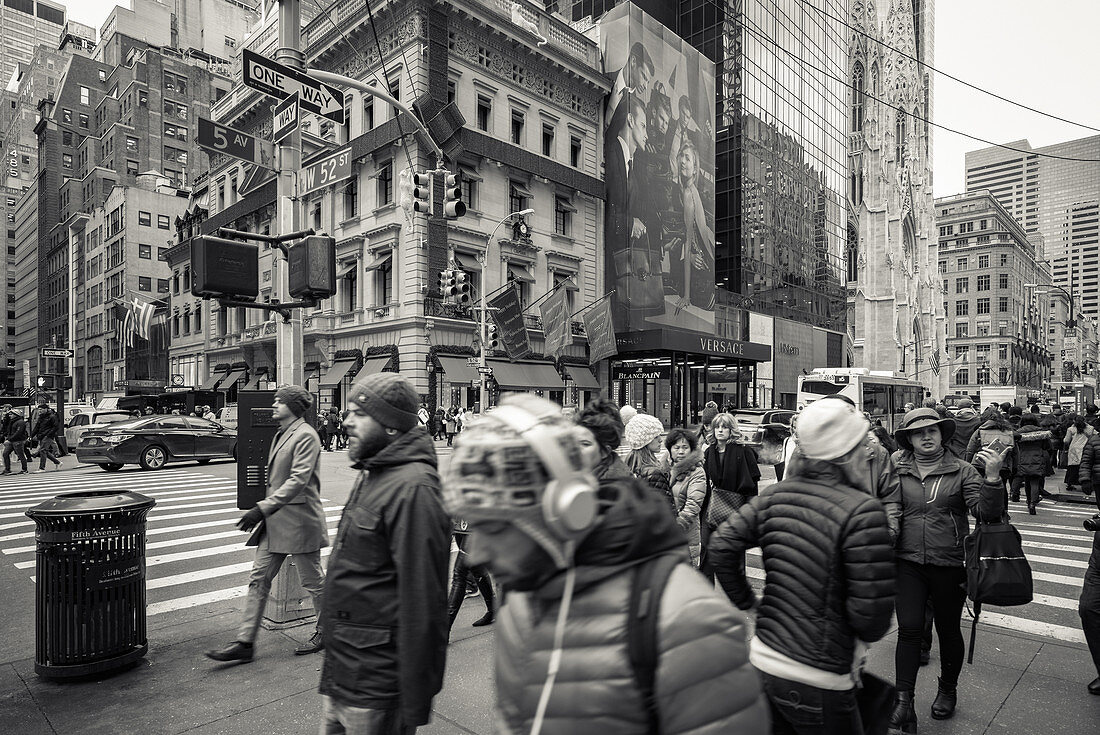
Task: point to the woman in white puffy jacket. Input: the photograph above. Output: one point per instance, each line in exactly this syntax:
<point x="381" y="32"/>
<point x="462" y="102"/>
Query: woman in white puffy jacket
<point x="688" y="482"/>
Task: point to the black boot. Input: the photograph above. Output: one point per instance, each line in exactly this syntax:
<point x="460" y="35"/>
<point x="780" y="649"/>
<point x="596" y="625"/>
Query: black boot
<point x="904" y="718"/>
<point x="235" y="651"/>
<point x="943" y="708"/>
<point x="485" y="586"/>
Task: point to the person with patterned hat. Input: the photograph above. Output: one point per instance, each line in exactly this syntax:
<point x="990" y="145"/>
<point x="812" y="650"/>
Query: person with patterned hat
<point x="572" y="553"/>
<point x="385" y="620"/>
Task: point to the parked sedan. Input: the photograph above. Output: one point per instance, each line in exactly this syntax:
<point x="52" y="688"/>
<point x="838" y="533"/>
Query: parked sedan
<point x="82" y="422"/>
<point x="154" y="441"/>
<point x="757" y="425"/>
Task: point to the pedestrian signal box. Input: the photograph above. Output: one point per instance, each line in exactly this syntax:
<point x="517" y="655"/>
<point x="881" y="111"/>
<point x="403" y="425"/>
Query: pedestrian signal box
<point x="256" y="427"/>
<point x="312" y="263"/>
<point x="222" y="268"/>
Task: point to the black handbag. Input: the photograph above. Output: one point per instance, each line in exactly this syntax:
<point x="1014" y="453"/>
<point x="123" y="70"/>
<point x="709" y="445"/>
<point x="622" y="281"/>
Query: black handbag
<point x="997" y="572"/>
<point x="875" y="699"/>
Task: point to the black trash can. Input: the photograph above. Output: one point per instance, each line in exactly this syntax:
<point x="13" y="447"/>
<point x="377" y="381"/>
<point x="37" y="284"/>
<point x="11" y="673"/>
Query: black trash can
<point x="90" y="592"/>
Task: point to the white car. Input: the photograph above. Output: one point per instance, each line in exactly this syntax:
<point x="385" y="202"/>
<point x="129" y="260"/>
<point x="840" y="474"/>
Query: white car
<point x="81" y="422"/>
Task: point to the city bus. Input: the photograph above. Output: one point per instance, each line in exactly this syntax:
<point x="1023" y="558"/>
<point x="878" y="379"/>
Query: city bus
<point x="880" y="394"/>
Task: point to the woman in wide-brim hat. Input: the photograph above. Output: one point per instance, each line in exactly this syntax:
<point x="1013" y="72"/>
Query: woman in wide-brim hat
<point x="938" y="491"/>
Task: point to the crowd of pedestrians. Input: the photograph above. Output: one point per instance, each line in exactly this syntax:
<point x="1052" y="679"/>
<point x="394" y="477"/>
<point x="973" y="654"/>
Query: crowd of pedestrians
<point x="609" y="552"/>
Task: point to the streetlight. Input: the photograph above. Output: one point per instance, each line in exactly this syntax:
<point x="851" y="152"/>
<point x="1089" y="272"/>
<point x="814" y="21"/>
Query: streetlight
<point x="483" y="395"/>
<point x="1072" y="322"/>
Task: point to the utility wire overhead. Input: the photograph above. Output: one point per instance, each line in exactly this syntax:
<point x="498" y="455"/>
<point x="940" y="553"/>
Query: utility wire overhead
<point x="952" y="77"/>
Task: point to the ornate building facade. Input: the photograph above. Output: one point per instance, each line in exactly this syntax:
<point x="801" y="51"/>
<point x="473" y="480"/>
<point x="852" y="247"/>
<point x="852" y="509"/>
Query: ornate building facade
<point x="895" y="300"/>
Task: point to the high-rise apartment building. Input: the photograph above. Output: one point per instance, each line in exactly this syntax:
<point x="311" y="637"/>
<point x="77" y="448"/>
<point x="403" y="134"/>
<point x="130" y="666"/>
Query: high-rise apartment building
<point x="1054" y="197"/>
<point x="991" y="275"/>
<point x="24" y="24"/>
<point x="127" y="111"/>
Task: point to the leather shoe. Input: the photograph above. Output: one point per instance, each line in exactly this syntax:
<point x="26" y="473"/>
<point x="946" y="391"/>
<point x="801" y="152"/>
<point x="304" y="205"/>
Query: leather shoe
<point x="925" y="657"/>
<point x="1094" y="686"/>
<point x="313" y="645"/>
<point x="235" y="651"/>
<point x="943" y="708"/>
<point x="486" y="619"/>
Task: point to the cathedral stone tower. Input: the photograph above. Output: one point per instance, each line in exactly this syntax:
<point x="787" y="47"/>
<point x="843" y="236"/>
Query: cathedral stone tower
<point x="895" y="300"/>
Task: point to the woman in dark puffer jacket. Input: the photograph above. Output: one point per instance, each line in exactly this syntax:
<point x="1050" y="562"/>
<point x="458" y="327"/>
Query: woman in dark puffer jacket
<point x="1035" y="460"/>
<point x="829" y="585"/>
<point x="938" y="490"/>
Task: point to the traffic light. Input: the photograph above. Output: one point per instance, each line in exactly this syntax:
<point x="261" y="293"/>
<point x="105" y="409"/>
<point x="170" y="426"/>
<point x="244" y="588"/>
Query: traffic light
<point x="422" y="193"/>
<point x="462" y="284"/>
<point x="453" y="206"/>
<point x="450" y="291"/>
<point x="492" y="338"/>
<point x="223" y="268"/>
<point x="312" y="267"/>
<point x="444" y="281"/>
<point x="46" y="382"/>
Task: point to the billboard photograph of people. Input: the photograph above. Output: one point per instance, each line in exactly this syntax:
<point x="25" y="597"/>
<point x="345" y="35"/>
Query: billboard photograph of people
<point x="659" y="174"/>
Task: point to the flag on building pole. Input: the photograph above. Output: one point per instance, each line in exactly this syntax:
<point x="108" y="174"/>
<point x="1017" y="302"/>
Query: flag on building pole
<point x="934" y="361"/>
<point x="143" y="318"/>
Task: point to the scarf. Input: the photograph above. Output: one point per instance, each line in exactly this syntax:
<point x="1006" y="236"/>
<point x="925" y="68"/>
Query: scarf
<point x="925" y="465"/>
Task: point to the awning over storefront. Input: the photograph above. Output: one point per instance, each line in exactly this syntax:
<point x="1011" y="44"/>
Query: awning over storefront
<point x="231" y="379"/>
<point x="213" y="381"/>
<point x="518" y="272"/>
<point x="457" y="370"/>
<point x="347" y="270"/>
<point x="466" y="261"/>
<point x="336" y="373"/>
<point x="381" y="260"/>
<point x="258" y="376"/>
<point x="582" y="377"/>
<point x="371" y="366"/>
<point x="526" y="375"/>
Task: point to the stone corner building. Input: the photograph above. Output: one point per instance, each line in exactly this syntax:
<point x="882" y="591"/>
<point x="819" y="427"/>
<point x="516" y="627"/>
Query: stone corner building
<point x="895" y="312"/>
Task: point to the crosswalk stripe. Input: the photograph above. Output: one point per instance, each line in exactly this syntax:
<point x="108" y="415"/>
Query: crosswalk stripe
<point x="160" y="497"/>
<point x="204" y="598"/>
<point x="1016" y="507"/>
<point x="1058" y="547"/>
<point x="197" y="576"/>
<point x="1086" y="537"/>
<point x="1057" y="579"/>
<point x="1052" y="526"/>
<point x="160" y="501"/>
<point x="144" y="489"/>
<point x="1027" y="625"/>
<point x="49" y="479"/>
<point x="1075" y="563"/>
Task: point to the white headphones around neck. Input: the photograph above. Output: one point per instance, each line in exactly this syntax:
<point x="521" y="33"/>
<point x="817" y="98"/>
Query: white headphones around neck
<point x="569" y="502"/>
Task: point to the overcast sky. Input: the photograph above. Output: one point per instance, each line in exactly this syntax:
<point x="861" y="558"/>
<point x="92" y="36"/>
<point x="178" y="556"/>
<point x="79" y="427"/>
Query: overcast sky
<point x="1043" y="55"/>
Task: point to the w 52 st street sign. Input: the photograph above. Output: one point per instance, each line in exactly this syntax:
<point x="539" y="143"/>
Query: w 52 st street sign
<point x="280" y="81"/>
<point x="328" y="170"/>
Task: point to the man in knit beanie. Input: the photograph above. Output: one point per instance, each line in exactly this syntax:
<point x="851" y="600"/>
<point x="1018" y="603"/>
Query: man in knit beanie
<point x="293" y="521"/>
<point x="385" y="620"/>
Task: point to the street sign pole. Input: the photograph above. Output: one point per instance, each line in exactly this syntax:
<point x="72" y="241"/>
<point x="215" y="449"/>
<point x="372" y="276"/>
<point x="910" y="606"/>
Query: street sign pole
<point x="288" y="602"/>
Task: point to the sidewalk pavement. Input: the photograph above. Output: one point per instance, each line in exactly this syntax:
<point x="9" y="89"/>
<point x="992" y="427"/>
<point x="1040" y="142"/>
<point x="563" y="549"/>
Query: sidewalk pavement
<point x="1018" y="684"/>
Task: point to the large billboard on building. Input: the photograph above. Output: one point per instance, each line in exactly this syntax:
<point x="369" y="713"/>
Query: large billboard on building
<point x="659" y="148"/>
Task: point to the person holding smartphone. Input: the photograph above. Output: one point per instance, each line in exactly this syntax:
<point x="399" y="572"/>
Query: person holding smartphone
<point x="938" y="491"/>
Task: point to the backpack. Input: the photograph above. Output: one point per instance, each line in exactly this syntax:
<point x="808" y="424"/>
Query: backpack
<point x="997" y="572"/>
<point x="650" y="578"/>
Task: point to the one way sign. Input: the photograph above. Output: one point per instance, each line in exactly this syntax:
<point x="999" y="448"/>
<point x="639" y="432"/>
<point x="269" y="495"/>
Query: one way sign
<point x="279" y="81"/>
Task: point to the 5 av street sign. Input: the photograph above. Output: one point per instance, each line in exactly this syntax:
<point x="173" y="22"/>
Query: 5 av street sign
<point x="336" y="167"/>
<point x="280" y="81"/>
<point x="218" y="138"/>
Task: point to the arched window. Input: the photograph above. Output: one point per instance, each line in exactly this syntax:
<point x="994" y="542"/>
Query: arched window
<point x="899" y="138"/>
<point x="853" y="253"/>
<point x="857" y="97"/>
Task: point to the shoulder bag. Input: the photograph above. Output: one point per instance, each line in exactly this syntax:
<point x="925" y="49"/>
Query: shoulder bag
<point x="997" y="572"/>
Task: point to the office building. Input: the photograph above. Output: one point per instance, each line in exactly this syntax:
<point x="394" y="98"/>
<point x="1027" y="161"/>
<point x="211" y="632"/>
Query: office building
<point x="530" y="141"/>
<point x="895" y="315"/>
<point x="24" y="25"/>
<point x="991" y="276"/>
<point x="1058" y="198"/>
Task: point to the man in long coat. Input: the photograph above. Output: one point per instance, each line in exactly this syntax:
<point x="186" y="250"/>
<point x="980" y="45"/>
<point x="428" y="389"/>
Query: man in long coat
<point x="293" y="521"/>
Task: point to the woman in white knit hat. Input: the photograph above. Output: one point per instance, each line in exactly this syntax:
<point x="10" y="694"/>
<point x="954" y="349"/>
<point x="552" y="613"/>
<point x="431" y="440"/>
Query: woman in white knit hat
<point x="644" y="437"/>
